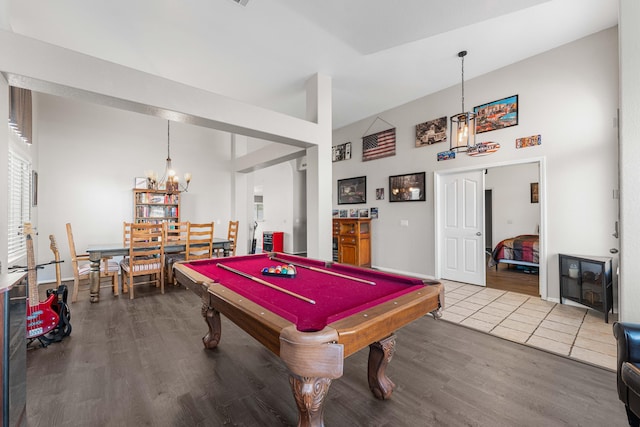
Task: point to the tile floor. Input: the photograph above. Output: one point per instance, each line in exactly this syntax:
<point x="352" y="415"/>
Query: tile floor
<point x="570" y="331"/>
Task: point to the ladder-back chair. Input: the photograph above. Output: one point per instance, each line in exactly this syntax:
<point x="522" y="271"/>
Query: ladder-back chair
<point x="146" y="257"/>
<point x="175" y="234"/>
<point x="82" y="266"/>
<point x="232" y="235"/>
<point x="199" y="241"/>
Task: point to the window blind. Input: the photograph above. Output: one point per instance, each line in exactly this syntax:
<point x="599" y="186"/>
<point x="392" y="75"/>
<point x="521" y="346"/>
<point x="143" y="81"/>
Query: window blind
<point x="20" y="112"/>
<point x="19" y="180"/>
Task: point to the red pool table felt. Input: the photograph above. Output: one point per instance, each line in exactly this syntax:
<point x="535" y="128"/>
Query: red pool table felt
<point x="335" y="297"/>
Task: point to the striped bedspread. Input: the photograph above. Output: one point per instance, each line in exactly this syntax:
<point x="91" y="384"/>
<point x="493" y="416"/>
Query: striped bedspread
<point x="519" y="248"/>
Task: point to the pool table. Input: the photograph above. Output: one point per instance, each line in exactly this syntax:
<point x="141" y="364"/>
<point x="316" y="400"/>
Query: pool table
<point x="312" y="319"/>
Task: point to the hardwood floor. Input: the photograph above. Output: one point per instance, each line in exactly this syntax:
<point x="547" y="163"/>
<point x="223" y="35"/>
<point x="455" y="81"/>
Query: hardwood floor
<point x="142" y="362"/>
<point x="510" y="278"/>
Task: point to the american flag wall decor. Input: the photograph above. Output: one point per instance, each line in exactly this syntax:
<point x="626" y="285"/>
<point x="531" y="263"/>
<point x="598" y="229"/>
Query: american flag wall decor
<point x="379" y="145"/>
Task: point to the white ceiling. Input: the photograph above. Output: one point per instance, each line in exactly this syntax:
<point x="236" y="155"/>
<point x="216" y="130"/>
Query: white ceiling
<point x="379" y="53"/>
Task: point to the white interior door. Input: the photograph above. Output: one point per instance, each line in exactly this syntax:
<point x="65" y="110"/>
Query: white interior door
<point x="462" y="227"/>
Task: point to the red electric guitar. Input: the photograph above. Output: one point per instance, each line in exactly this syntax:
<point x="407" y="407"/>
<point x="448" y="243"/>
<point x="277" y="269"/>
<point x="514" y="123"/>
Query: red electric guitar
<point x="41" y="317"/>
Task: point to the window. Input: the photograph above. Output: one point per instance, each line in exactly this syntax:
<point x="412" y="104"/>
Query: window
<point x="19" y="180"/>
<point x="258" y="208"/>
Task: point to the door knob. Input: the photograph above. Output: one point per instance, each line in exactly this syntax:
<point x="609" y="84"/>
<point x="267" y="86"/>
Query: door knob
<point x="478" y="234"/>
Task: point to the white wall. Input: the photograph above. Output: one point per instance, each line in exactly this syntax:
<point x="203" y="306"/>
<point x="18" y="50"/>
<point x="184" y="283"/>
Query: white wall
<point x="568" y="95"/>
<point x="629" y="14"/>
<point x="89" y="156"/>
<point x="278" y="202"/>
<point x="513" y="213"/>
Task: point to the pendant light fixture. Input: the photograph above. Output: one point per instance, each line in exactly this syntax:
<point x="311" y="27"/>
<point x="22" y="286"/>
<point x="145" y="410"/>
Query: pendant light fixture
<point x="463" y="125"/>
<point x="169" y="180"/>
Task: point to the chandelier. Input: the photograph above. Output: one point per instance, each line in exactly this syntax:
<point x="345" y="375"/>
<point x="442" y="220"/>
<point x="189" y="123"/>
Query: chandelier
<point x="169" y="181"/>
<point x="463" y="125"/>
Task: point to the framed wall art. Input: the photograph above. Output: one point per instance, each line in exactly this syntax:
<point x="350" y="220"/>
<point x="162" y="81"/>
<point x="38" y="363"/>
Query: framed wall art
<point x="529" y="141"/>
<point x="430" y="132"/>
<point x="499" y="114"/>
<point x="407" y="188"/>
<point x="34" y="188"/>
<point x="534" y="192"/>
<point x="379" y="145"/>
<point x="352" y="190"/>
<point x="341" y="152"/>
<point x="140" y="182"/>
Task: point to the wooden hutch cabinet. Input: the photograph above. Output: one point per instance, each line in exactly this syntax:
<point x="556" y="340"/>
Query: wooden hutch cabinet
<point x="155" y="206"/>
<point x="352" y="241"/>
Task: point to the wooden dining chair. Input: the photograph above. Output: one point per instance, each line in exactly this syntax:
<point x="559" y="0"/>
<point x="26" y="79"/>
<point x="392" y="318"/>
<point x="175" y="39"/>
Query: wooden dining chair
<point x="82" y="266"/>
<point x="232" y="235"/>
<point x="146" y="257"/>
<point x="175" y="234"/>
<point x="199" y="241"/>
<point x="126" y="233"/>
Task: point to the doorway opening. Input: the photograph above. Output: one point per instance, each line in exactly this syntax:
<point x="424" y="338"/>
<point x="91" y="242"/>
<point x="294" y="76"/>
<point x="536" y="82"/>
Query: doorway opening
<point x="509" y="210"/>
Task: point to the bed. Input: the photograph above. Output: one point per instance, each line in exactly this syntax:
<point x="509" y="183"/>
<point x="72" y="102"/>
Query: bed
<point x="520" y="250"/>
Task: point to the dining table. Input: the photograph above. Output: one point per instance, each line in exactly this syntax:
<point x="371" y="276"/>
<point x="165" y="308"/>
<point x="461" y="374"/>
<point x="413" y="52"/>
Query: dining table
<point x="99" y="251"/>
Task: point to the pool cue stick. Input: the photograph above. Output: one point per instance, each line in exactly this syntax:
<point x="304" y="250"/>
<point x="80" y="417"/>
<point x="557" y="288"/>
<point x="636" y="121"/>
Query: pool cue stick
<point x="265" y="283"/>
<point x="319" y="270"/>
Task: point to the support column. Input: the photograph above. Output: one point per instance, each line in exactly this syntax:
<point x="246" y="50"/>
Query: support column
<point x="319" y="169"/>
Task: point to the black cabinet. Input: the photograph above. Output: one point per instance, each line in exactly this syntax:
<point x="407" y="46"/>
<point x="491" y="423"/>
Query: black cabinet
<point x="587" y="280"/>
<point x="13" y="367"/>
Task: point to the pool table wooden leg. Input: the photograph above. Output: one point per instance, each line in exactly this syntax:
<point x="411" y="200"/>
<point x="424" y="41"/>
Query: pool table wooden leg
<point x="380" y="354"/>
<point x="309" y="393"/>
<point x="212" y="318"/>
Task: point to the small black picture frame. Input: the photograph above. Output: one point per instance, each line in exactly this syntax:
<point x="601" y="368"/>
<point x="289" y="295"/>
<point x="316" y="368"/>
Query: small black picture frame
<point x="407" y="188"/>
<point x="352" y="190"/>
<point x="34" y="188"/>
<point x="534" y="192"/>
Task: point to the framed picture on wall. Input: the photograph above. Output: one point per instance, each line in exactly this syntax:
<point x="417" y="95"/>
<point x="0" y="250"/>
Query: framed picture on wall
<point x="499" y="114"/>
<point x="534" y="192"/>
<point x="407" y="188"/>
<point x="341" y="152"/>
<point x="430" y="132"/>
<point x="140" y="182"/>
<point x="34" y="188"/>
<point x="352" y="190"/>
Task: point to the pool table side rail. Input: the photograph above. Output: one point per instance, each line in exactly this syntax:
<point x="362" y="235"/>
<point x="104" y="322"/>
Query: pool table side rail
<point x="359" y="330"/>
<point x="346" y="268"/>
<point x="191" y="279"/>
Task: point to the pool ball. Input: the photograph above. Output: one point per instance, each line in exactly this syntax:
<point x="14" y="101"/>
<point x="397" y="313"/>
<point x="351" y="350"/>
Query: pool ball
<point x="265" y="270"/>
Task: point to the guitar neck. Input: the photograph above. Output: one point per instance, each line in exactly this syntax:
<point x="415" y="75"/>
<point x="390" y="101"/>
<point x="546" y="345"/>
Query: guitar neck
<point x="32" y="277"/>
